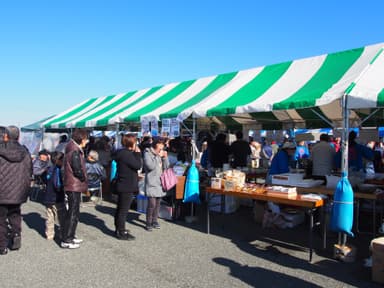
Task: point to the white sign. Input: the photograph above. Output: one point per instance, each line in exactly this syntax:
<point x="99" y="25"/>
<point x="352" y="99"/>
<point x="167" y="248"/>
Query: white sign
<point x="154" y="127"/>
<point x="175" y="128"/>
<point x="145" y="127"/>
<point x="166" y="127"/>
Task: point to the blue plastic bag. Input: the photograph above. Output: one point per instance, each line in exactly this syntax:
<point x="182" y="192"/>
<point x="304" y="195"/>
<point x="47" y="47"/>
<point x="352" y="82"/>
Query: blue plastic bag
<point x="342" y="211"/>
<point x="113" y="170"/>
<point x="192" y="192"/>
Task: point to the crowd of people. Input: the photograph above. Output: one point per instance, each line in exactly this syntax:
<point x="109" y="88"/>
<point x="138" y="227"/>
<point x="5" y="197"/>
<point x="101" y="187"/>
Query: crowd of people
<point x="81" y="163"/>
<point x="77" y="166"/>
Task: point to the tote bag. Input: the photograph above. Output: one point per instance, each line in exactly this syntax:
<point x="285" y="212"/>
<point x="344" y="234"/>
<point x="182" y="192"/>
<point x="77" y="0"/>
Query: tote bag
<point x="168" y="179"/>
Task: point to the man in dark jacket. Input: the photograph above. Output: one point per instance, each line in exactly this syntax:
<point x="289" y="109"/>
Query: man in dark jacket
<point x="75" y="183"/>
<point x="240" y="150"/>
<point x="15" y="178"/>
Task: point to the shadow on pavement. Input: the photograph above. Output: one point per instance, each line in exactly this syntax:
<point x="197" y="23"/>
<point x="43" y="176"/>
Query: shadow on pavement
<point x="349" y="273"/>
<point x="280" y="245"/>
<point x="92" y="220"/>
<point x="260" y="277"/>
<point x="132" y="217"/>
<point x="36" y="222"/>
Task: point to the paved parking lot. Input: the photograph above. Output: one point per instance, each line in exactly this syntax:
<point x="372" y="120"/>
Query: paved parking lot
<point x="237" y="253"/>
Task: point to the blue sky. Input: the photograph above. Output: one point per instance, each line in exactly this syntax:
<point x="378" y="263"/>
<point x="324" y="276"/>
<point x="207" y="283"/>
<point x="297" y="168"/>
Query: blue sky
<point x="55" y="54"/>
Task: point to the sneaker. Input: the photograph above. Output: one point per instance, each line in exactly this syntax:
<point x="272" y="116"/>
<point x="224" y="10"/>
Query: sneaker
<point x="77" y="240"/>
<point x="69" y="245"/>
<point x="16" y="242"/>
<point x="149" y="228"/>
<point x="3" y="251"/>
<point x="156" y="225"/>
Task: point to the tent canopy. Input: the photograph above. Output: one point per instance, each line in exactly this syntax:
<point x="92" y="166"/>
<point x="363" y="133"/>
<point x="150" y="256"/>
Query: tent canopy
<point x="36" y="126"/>
<point x="300" y="93"/>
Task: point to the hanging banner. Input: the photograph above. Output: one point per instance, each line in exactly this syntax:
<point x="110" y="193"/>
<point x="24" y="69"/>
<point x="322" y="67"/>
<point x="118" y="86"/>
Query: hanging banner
<point x="175" y="128"/>
<point x="145" y="127"/>
<point x="166" y="127"/>
<point x="154" y="127"/>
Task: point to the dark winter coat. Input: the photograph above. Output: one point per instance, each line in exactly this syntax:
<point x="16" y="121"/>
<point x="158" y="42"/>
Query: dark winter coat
<point x="128" y="163"/>
<point x="75" y="176"/>
<point x="15" y="173"/>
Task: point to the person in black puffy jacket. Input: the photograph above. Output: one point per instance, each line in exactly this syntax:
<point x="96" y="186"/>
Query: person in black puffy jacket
<point x="15" y="180"/>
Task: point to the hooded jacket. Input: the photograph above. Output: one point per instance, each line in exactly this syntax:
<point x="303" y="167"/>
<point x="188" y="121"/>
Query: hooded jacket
<point x="15" y="173"/>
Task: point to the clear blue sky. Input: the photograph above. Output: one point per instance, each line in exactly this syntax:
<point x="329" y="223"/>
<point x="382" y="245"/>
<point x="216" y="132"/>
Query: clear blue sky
<point x="55" y="54"/>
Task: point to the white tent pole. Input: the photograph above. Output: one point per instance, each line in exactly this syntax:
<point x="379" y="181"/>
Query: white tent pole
<point x="344" y="158"/>
<point x="194" y="147"/>
<point x="116" y="136"/>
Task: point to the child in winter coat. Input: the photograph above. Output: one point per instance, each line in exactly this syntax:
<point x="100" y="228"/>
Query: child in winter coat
<point x="95" y="173"/>
<point x="54" y="196"/>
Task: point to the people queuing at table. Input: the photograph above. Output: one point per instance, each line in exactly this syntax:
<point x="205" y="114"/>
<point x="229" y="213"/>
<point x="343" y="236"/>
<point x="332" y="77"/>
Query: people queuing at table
<point x="151" y="156"/>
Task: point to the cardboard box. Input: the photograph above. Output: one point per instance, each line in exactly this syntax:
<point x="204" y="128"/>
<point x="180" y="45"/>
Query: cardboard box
<point x="216" y="183"/>
<point x="293" y="219"/>
<point x="378" y="260"/>
<point x="229" y="185"/>
<point x="287" y="179"/>
<point x="166" y="211"/>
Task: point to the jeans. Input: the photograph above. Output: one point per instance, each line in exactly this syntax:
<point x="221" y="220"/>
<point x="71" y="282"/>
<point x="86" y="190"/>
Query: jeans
<point x="153" y="209"/>
<point x="72" y="216"/>
<point x="123" y="204"/>
<point x="11" y="212"/>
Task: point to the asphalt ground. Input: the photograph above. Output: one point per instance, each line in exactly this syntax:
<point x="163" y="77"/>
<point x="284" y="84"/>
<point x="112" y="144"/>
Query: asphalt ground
<point x="237" y="253"/>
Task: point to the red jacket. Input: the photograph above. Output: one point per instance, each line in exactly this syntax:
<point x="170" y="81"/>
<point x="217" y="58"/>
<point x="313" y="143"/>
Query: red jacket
<point x="75" y="176"/>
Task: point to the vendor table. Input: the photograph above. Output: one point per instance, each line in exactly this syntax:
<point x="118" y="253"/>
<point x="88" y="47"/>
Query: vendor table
<point x="310" y="205"/>
<point x="372" y="197"/>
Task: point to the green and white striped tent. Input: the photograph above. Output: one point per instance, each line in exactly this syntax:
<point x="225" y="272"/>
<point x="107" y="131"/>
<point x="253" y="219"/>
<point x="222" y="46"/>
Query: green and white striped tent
<point x="368" y="89"/>
<point x="299" y="93"/>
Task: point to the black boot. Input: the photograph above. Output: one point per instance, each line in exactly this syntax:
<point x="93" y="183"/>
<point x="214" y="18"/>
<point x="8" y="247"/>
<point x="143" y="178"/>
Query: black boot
<point x="124" y="235"/>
